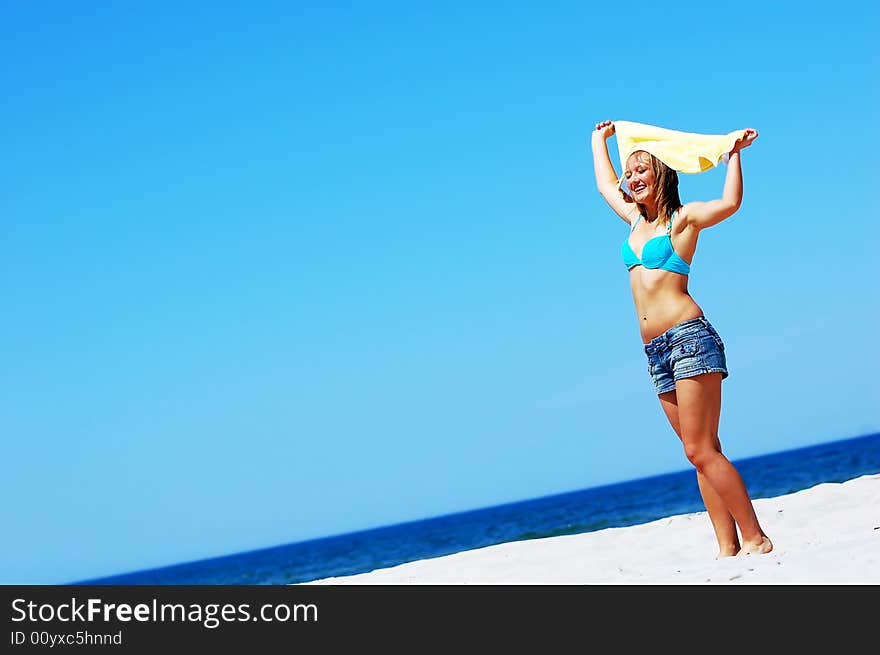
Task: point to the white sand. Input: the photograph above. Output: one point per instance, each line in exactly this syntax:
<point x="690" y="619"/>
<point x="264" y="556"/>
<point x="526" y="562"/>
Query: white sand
<point x="828" y="534"/>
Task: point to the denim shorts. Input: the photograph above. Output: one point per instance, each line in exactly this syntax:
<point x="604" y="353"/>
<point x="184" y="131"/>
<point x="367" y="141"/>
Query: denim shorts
<point x="683" y="351"/>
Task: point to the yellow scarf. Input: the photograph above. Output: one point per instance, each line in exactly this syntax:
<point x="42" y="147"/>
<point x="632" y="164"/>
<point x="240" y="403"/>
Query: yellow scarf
<point x="686" y="152"/>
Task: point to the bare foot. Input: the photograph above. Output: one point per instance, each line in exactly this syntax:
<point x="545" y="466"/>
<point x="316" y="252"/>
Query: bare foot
<point x="752" y="548"/>
<point x="728" y="551"/>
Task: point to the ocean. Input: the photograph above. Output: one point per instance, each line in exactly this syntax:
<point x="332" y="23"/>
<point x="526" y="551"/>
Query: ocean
<point x="614" y="505"/>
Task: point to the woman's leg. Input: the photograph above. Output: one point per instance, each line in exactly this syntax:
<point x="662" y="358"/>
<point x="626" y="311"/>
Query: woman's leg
<point x="699" y="411"/>
<point x="722" y="520"/>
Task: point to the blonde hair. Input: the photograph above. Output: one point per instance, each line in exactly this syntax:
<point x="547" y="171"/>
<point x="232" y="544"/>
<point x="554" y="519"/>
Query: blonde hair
<point x="666" y="184"/>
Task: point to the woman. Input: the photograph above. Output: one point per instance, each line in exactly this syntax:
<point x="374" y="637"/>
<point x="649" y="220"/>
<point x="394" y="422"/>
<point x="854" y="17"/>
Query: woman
<point x="685" y="354"/>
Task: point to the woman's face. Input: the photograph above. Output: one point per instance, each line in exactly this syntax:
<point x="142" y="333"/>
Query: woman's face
<point x="640" y="176"/>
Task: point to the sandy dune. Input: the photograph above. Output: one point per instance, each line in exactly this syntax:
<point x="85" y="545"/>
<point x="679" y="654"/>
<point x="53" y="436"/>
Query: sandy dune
<point x="827" y="534"/>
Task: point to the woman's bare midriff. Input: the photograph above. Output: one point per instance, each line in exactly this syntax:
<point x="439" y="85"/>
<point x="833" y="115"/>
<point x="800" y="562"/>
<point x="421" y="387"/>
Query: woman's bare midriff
<point x="662" y="300"/>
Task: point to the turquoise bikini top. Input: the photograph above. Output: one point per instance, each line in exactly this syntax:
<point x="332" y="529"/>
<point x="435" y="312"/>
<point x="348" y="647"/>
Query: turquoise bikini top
<point x="657" y="252"/>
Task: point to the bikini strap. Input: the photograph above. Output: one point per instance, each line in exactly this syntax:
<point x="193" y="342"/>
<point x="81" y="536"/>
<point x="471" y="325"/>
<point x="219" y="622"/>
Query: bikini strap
<point x="634" y="223"/>
<point x="669" y="227"/>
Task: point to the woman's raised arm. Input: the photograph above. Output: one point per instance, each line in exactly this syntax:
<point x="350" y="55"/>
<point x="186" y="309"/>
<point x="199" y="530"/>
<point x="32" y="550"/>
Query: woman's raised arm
<point x="706" y="214"/>
<point x="606" y="177"/>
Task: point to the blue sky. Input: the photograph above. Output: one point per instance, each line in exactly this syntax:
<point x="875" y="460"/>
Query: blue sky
<point x="273" y="271"/>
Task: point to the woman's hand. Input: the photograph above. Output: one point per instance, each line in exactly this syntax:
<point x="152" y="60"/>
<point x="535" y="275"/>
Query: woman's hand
<point x="603" y="130"/>
<point x="747" y="139"/>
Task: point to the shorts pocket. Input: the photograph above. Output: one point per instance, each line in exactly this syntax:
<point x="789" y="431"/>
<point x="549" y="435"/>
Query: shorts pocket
<point x="688" y="348"/>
